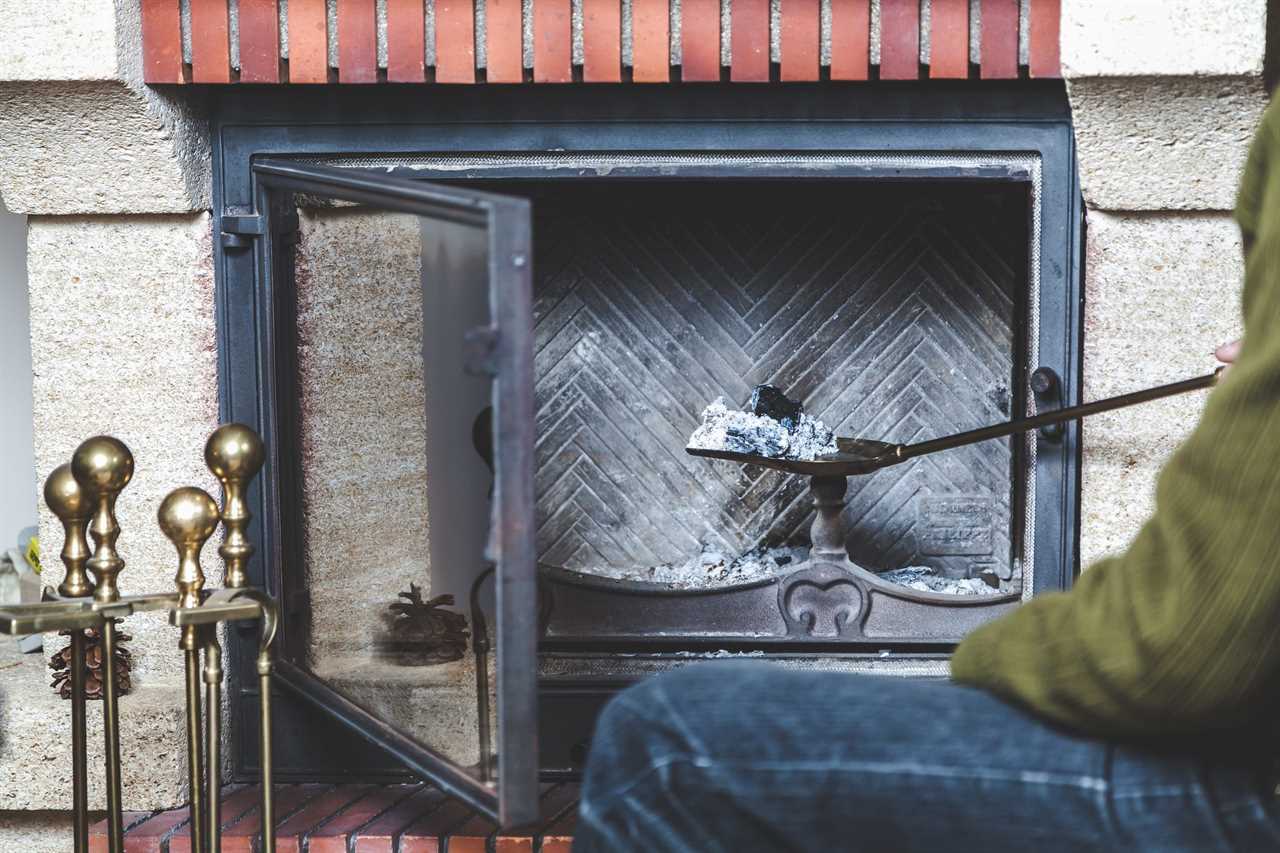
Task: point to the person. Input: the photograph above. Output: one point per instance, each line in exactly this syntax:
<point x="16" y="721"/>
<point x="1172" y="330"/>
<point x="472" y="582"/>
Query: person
<point x="1137" y="711"/>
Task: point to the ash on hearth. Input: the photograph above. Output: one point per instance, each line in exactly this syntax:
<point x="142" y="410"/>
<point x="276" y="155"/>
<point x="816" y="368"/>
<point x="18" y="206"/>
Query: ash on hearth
<point x="775" y="426"/>
<point x="925" y="579"/>
<point x="713" y="566"/>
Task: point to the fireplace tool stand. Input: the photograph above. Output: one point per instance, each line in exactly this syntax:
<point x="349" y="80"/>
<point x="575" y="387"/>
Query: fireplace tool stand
<point x="83" y="496"/>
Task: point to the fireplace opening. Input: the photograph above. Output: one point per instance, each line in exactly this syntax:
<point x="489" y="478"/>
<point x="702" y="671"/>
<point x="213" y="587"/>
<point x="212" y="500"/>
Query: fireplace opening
<point x="894" y="310"/>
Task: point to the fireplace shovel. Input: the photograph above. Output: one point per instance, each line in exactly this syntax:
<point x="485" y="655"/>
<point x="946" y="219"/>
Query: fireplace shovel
<point x="864" y="456"/>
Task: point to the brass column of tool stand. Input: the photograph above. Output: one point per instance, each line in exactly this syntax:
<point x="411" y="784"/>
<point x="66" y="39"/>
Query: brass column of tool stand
<point x="83" y="496"/>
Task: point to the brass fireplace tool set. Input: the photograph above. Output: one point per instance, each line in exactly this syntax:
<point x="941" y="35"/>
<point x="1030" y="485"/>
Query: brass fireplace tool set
<point x="83" y="496"/>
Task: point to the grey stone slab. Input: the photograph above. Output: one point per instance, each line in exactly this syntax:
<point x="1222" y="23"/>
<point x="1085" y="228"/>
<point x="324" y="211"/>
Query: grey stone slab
<point x="1111" y="38"/>
<point x="1164" y="143"/>
<point x="1163" y="292"/>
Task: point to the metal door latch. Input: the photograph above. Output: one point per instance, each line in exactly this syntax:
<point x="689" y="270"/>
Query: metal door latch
<point x="1047" y="387"/>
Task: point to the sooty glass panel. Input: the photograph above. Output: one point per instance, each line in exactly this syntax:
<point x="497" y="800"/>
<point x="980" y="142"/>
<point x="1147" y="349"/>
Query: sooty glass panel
<point x="395" y="495"/>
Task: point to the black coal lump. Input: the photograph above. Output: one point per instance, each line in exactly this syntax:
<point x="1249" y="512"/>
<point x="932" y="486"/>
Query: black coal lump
<point x="768" y="401"/>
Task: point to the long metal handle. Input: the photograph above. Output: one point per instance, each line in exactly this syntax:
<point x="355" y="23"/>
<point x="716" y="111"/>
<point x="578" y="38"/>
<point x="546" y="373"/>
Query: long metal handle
<point x="264" y="750"/>
<point x="195" y="737"/>
<point x="213" y="741"/>
<point x="79" y="745"/>
<point x="1058" y="416"/>
<point x="269" y="622"/>
<point x="111" y="734"/>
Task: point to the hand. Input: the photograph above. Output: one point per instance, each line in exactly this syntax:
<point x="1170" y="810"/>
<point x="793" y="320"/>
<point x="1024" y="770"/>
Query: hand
<point x="1228" y="353"/>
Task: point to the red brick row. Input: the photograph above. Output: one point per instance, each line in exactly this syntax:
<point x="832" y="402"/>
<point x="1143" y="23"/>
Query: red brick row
<point x="850" y="39"/>
<point x="360" y="818"/>
<point x="899" y="39"/>
<point x="700" y="41"/>
<point x="999" y="59"/>
<point x="949" y="39"/>
<point x="749" y="41"/>
<point x="650" y="41"/>
<point x="308" y="42"/>
<point x="503" y="33"/>
<point x="455" y="41"/>
<point x="801" y="41"/>
<point x="259" y="41"/>
<point x="1046" y="29"/>
<point x="552" y="42"/>
<point x="406" y="59"/>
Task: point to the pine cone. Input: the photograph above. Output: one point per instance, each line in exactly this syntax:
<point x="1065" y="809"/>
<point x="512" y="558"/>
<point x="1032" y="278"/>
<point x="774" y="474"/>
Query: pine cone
<point x="60" y="662"/>
<point x="423" y="632"/>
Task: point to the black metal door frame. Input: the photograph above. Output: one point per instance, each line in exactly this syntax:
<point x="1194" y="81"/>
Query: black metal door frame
<point x="508" y="361"/>
<point x="1023" y="117"/>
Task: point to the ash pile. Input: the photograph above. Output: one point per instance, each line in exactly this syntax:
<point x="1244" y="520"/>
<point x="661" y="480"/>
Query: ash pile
<point x="773" y="425"/>
<point x="925" y="579"/>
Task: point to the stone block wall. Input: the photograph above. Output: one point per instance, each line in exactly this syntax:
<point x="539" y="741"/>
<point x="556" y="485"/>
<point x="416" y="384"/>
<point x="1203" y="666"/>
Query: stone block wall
<point x="1165" y="96"/>
<point x="114" y="178"/>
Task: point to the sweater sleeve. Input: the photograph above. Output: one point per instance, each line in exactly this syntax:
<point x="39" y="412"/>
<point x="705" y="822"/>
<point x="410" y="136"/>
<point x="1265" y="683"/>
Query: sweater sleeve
<point x="1181" y="633"/>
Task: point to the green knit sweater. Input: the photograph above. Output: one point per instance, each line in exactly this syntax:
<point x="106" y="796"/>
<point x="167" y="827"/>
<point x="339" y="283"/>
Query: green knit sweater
<point x="1181" y="633"/>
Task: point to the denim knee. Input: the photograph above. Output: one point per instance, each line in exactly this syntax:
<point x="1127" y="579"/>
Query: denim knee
<point x="625" y="729"/>
<point x="657" y="721"/>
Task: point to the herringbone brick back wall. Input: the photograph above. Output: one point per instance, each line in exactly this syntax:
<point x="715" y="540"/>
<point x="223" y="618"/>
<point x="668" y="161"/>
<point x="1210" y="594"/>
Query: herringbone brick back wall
<point x="596" y="41"/>
<point x="892" y="314"/>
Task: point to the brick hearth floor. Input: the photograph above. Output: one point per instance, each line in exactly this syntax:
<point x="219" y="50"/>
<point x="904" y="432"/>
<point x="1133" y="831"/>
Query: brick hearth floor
<point x="355" y="819"/>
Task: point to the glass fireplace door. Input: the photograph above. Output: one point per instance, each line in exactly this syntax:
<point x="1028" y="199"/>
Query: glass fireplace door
<point x="403" y="350"/>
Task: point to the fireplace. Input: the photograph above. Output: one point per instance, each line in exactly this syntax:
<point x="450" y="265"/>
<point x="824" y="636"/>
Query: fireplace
<point x="901" y="271"/>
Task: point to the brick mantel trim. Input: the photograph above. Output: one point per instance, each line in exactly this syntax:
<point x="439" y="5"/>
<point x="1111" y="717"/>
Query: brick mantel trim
<point x="597" y="41"/>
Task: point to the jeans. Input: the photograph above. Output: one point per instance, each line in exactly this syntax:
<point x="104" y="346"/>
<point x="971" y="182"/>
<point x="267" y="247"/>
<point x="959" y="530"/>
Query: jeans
<point x="741" y="756"/>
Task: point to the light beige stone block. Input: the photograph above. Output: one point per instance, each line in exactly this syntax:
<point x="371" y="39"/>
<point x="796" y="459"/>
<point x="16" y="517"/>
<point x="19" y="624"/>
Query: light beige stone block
<point x="1163" y="290"/>
<point x="122" y="332"/>
<point x="99" y="147"/>
<point x="58" y="40"/>
<point x="362" y="399"/>
<point x="1164" y="143"/>
<point x="1113" y="38"/>
<point x="81" y="133"/>
<point x="435" y="705"/>
<point x="35" y="749"/>
<point x="35" y="831"/>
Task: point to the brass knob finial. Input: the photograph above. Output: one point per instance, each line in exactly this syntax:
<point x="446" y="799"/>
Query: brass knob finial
<point x="103" y="466"/>
<point x="73" y="508"/>
<point x="188" y="516"/>
<point x="234" y="453"/>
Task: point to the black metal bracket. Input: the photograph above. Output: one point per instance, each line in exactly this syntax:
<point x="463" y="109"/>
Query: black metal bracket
<point x="237" y="232"/>
<point x="1047" y="387"/>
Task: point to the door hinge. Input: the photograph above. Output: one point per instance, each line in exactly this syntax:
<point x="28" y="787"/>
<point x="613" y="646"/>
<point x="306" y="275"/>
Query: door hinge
<point x="480" y="346"/>
<point x="238" y="231"/>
